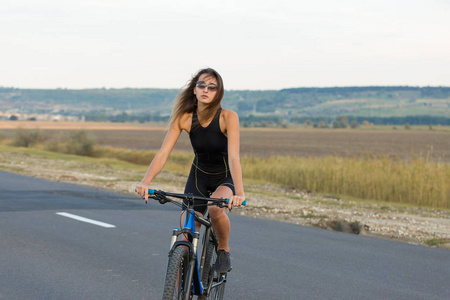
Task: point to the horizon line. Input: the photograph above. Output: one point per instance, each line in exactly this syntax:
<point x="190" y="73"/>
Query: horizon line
<point x="290" y="88"/>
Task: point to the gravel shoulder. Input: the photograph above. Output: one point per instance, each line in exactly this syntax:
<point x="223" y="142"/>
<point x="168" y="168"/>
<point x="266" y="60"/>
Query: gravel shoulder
<point x="402" y="223"/>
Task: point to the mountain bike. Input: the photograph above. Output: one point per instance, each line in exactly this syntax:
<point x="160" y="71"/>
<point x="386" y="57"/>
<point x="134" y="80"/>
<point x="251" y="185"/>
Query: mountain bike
<point x="188" y="274"/>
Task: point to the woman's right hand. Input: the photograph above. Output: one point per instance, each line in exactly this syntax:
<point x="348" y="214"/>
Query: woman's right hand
<point x="142" y="190"/>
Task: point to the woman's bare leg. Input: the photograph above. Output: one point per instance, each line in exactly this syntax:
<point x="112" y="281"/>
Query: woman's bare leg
<point x="219" y="219"/>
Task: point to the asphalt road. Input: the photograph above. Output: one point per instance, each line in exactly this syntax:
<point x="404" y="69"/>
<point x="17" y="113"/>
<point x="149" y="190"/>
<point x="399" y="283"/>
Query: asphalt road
<point x="46" y="255"/>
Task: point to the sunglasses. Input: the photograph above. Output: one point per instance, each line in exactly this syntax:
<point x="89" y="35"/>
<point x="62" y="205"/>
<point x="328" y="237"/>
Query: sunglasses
<point x="202" y="85"/>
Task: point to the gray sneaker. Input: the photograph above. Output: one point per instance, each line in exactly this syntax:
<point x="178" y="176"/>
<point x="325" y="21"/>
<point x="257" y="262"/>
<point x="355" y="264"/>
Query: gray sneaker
<point x="223" y="262"/>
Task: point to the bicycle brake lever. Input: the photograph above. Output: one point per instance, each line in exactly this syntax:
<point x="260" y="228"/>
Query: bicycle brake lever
<point x="161" y="199"/>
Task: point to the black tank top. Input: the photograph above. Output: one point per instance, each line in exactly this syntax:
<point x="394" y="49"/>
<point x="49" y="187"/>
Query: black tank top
<point x="210" y="144"/>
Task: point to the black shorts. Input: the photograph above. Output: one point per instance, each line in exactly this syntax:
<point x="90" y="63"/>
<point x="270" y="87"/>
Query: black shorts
<point x="203" y="183"/>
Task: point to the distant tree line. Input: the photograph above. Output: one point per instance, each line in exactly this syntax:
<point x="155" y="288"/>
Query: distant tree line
<point x="412" y="120"/>
<point x="125" y="117"/>
<point x="374" y="91"/>
<point x="280" y="121"/>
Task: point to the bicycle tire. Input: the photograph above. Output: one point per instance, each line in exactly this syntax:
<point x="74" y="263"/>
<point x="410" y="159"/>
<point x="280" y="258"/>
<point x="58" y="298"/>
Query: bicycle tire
<point x="216" y="293"/>
<point x="175" y="282"/>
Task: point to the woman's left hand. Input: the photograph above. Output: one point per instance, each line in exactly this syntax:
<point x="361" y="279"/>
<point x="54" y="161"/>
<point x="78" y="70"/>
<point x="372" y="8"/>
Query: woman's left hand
<point x="236" y="200"/>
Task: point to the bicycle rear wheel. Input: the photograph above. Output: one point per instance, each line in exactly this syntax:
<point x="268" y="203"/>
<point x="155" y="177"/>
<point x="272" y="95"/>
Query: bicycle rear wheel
<point x="175" y="283"/>
<point x="210" y="275"/>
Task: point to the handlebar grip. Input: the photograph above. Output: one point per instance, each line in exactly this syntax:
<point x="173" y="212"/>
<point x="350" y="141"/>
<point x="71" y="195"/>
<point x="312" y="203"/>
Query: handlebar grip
<point x="243" y="203"/>
<point x="150" y="191"/>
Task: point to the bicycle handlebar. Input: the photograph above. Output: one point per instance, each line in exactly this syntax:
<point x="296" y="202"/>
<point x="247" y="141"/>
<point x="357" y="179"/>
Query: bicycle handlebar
<point x="185" y="196"/>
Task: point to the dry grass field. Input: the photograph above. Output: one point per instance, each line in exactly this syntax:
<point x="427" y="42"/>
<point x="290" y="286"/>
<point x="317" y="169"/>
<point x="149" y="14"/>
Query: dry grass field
<point x="401" y="143"/>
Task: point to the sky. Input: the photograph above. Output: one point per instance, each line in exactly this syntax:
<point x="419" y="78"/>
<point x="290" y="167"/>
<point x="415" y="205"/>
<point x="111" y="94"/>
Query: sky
<point x="253" y="44"/>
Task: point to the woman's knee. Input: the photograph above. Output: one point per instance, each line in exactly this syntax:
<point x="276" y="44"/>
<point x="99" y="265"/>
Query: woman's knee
<point x="216" y="212"/>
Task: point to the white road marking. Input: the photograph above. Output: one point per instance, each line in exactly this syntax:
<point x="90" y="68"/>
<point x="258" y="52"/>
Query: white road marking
<point x="82" y="219"/>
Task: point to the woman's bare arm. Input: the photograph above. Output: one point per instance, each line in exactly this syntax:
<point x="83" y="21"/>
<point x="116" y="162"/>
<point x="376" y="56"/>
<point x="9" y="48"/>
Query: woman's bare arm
<point x="232" y="130"/>
<point x="162" y="155"/>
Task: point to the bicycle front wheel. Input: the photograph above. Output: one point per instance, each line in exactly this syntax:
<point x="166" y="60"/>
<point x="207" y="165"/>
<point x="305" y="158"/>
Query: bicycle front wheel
<point x="175" y="283"/>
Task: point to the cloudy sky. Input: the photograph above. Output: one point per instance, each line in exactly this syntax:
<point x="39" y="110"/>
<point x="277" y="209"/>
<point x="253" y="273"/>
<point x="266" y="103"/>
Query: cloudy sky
<point x="254" y="44"/>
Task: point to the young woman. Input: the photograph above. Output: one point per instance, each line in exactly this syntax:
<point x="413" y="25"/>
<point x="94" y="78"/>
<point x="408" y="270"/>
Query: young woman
<point x="216" y="169"/>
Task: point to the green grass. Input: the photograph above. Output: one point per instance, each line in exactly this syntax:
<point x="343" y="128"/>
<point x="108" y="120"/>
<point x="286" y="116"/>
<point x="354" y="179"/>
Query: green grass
<point x="43" y="153"/>
<point x="12" y="169"/>
<point x="84" y="161"/>
<point x="435" y="242"/>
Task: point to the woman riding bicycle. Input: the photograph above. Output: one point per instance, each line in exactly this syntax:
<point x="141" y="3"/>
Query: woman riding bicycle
<point x="216" y="169"/>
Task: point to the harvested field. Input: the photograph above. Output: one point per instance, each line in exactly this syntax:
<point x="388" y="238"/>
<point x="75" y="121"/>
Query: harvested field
<point x="406" y="144"/>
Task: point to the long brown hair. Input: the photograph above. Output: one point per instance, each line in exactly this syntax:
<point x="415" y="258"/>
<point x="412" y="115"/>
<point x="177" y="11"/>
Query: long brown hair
<point x="186" y="101"/>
